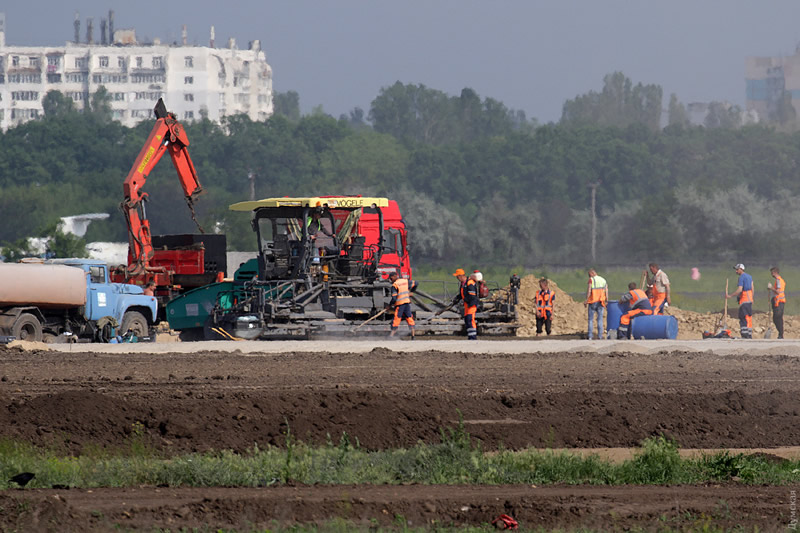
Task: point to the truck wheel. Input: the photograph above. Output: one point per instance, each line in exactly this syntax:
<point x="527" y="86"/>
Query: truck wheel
<point x="27" y="328"/>
<point x="134" y="320"/>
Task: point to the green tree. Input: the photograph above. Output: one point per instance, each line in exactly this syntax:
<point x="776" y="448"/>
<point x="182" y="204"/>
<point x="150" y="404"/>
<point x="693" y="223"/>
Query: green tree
<point x="100" y="104"/>
<point x="287" y="105"/>
<point x="677" y="115"/>
<point x="620" y="103"/>
<point x="55" y="103"/>
<point x="62" y="244"/>
<point x="723" y="115"/>
<point x="17" y="250"/>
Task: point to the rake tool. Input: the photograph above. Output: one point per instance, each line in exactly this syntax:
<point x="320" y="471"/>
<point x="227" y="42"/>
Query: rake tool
<point x="725" y="309"/>
<point x="225" y="335"/>
<point x="370" y="319"/>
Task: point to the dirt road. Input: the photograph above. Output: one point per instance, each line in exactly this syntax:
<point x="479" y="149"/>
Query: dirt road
<point x="387" y="398"/>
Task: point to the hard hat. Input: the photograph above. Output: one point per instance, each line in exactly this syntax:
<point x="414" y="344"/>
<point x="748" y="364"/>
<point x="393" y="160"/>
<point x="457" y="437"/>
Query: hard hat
<point x="738" y="266"/>
<point x="459" y="272"/>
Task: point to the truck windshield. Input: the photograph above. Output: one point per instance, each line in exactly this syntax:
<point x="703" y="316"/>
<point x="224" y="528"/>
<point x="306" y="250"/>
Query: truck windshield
<point x="272" y="229"/>
<point x="97" y="274"/>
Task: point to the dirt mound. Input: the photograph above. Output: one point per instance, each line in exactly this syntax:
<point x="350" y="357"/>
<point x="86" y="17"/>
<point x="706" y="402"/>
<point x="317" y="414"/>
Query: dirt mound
<point x="569" y="316"/>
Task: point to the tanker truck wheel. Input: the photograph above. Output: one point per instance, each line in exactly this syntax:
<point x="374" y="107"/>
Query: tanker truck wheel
<point x="134" y="320"/>
<point x="27" y="328"/>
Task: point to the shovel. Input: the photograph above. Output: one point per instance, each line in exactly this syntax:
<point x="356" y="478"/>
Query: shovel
<point x="725" y="309"/>
<point x="768" y="333"/>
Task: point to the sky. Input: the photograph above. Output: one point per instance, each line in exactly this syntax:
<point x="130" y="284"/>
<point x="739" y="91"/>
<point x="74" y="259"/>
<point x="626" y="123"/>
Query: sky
<point x="532" y="55"/>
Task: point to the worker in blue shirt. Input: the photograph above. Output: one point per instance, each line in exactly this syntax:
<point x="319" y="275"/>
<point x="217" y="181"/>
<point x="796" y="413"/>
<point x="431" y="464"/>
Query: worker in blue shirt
<point x="744" y="291"/>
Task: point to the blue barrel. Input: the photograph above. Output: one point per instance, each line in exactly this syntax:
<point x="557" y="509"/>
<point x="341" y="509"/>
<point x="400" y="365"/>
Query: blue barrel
<point x="654" y="327"/>
<point x="614" y="313"/>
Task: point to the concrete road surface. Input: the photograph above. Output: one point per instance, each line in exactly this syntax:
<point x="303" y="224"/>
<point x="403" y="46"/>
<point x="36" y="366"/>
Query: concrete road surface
<point x="754" y="347"/>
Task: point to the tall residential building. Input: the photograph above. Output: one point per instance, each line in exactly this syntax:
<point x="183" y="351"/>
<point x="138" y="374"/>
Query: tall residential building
<point x="771" y="79"/>
<point x="193" y="80"/>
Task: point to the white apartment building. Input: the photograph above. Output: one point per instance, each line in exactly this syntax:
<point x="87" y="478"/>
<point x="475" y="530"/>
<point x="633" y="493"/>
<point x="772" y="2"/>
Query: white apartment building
<point x="193" y="80"/>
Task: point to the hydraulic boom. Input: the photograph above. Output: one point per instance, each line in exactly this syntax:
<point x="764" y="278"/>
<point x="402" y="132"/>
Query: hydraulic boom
<point x="168" y="135"/>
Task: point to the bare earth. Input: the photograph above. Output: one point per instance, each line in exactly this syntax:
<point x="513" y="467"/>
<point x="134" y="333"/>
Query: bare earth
<point x="388" y="397"/>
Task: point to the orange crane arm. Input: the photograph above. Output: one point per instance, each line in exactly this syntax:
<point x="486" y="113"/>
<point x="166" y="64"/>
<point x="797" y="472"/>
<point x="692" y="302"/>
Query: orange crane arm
<point x="167" y="135"/>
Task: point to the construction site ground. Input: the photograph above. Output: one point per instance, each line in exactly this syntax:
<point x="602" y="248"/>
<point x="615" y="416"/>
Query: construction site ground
<point x="600" y="397"/>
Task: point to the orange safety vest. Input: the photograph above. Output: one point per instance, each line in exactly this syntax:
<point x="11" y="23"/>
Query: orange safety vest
<point x="780" y="286"/>
<point x="403" y="294"/>
<point x="598" y="293"/>
<point x="636" y="296"/>
<point x="544" y="301"/>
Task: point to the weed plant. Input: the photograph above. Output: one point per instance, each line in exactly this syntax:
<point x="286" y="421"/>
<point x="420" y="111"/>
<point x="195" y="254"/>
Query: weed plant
<point x="455" y="460"/>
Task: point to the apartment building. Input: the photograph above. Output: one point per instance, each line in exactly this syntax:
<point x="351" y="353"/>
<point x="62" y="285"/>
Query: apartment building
<point x="771" y="79"/>
<point x="194" y="81"/>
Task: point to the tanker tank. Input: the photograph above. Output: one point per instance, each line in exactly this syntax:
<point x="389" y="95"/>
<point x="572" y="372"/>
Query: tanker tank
<point x="41" y="285"/>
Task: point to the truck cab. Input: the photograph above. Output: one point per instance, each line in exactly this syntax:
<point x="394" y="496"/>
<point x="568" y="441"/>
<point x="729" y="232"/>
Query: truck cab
<point x="105" y="298"/>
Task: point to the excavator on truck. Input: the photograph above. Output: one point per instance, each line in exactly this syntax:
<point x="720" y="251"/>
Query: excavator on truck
<point x="175" y="263"/>
<point x="322" y="268"/>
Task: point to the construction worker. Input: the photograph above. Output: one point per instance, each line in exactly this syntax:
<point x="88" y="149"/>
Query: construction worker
<point x="778" y="299"/>
<point x="468" y="293"/>
<point x="150" y="288"/>
<point x="659" y="284"/>
<point x="744" y="291"/>
<point x="544" y="307"/>
<point x="638" y="304"/>
<point x="401" y="301"/>
<point x="596" y="298"/>
<point x="321" y="237"/>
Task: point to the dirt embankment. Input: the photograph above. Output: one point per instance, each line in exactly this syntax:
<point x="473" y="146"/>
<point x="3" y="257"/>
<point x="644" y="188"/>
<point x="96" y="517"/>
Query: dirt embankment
<point x="570" y="317"/>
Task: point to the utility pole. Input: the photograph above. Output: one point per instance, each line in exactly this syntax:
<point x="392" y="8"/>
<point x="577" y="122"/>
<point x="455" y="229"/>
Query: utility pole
<point x="594" y="187"/>
<point x="251" y="176"/>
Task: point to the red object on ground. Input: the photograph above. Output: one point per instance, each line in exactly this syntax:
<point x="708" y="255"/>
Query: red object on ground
<point x="505" y="522"/>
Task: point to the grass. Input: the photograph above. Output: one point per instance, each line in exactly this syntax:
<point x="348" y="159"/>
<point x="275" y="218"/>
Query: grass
<point x="703" y="295"/>
<point x="453" y="461"/>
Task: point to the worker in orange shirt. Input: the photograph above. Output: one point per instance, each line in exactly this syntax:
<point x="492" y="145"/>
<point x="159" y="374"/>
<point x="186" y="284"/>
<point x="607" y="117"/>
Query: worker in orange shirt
<point x="544" y="307"/>
<point x="468" y="293"/>
<point x="659" y="283"/>
<point x="638" y="304"/>
<point x="401" y="301"/>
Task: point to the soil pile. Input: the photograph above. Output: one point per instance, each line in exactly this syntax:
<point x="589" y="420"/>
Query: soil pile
<point x="569" y="316"/>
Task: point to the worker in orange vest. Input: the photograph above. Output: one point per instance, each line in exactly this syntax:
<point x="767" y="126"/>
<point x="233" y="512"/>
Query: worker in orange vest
<point x="638" y="305"/>
<point x="544" y="307"/>
<point x="778" y="300"/>
<point x="401" y="301"/>
<point x="468" y="293"/>
<point x="744" y="291"/>
<point x="596" y="298"/>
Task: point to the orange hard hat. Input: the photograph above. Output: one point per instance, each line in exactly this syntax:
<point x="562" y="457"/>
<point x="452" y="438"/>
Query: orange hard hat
<point x="459" y="272"/>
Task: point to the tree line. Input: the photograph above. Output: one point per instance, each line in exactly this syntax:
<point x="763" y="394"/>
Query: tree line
<point x="476" y="181"/>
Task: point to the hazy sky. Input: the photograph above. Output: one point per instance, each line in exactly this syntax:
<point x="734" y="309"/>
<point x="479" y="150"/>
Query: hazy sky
<point x="531" y="55"/>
